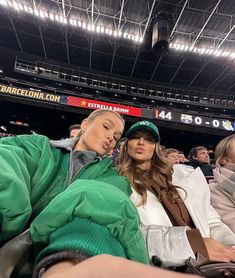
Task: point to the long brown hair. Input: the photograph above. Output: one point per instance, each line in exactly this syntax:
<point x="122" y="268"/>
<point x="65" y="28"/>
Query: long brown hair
<point x="158" y="179"/>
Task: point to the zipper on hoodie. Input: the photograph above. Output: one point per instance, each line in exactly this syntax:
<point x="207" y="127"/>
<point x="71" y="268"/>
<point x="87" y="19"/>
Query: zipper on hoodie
<point x="70" y="180"/>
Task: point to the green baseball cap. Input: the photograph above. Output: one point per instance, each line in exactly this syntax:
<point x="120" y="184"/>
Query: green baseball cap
<point x="144" y="125"/>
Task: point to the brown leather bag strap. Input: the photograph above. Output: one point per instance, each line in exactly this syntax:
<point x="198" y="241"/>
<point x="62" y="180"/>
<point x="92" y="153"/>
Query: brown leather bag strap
<point x="12" y="252"/>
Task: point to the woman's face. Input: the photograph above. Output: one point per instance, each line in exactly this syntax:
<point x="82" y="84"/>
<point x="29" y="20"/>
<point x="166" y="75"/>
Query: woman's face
<point x="101" y="134"/>
<point x="141" y="147"/>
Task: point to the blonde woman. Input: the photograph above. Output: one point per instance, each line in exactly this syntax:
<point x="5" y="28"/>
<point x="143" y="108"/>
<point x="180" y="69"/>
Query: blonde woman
<point x="223" y="185"/>
<point x="70" y="195"/>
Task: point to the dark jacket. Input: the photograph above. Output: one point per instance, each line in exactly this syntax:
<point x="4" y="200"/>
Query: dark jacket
<point x="207" y="169"/>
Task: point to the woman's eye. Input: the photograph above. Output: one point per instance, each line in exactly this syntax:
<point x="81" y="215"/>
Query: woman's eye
<point x="105" y="126"/>
<point x="150" y="139"/>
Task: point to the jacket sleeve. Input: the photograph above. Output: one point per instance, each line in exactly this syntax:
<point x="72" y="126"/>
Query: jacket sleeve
<point x="224" y="203"/>
<point x="169" y="244"/>
<point x="218" y="229"/>
<point x="17" y="168"/>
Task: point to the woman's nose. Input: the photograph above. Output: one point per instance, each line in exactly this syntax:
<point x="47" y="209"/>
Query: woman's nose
<point x="110" y="136"/>
<point x="141" y="140"/>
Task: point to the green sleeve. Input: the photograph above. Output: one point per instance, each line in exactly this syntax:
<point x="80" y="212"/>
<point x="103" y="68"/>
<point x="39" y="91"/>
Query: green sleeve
<point x="19" y="158"/>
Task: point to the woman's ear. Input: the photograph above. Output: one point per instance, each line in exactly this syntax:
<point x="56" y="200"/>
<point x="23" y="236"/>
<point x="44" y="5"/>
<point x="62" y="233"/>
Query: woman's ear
<point x="225" y="161"/>
<point x="84" y="125"/>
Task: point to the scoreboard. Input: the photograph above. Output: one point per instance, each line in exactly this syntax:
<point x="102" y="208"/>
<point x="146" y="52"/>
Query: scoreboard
<point x="191" y="119"/>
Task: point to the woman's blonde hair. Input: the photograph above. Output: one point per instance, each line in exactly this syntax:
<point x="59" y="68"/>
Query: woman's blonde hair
<point x="223" y="149"/>
<point x="158" y="179"/>
<point x="100" y="112"/>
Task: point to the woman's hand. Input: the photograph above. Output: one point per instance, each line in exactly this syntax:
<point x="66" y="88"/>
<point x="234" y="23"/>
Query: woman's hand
<point x="218" y="251"/>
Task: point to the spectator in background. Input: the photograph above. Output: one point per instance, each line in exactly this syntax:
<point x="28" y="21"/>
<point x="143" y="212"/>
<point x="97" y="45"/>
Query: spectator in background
<point x="199" y="157"/>
<point x="172" y="156"/>
<point x="117" y="149"/>
<point x="223" y="185"/>
<point x="74" y="130"/>
<point x="182" y="158"/>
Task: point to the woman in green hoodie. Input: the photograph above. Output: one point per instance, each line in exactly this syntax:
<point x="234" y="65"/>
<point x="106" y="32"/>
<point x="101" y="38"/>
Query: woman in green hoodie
<point x="70" y="194"/>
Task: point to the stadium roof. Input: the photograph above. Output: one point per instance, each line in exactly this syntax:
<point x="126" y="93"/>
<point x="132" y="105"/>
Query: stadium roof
<point x="202" y="24"/>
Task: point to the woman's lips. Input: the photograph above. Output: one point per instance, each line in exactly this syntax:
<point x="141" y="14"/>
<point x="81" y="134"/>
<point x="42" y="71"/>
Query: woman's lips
<point x="106" y="146"/>
<point x="139" y="150"/>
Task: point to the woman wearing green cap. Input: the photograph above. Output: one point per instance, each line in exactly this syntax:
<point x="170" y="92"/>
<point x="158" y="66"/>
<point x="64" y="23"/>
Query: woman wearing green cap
<point x="177" y="218"/>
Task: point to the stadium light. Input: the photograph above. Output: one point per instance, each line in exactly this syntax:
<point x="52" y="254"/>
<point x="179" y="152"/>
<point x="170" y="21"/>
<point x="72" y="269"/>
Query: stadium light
<point x="59" y="18"/>
<point x="203" y="50"/>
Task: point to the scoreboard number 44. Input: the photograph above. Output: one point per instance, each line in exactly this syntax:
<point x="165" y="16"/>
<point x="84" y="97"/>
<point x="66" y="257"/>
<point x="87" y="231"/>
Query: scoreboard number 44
<point x="163" y="115"/>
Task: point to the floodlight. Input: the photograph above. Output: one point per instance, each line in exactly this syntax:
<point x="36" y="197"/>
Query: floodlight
<point x="28" y="9"/>
<point x="202" y="50"/>
<point x="73" y="22"/>
<point x="108" y="31"/>
<point x="59" y="18"/>
<point x="3" y="2"/>
<point x="177" y="46"/>
<point x="225" y="53"/>
<point x="125" y="35"/>
<point x="217" y="53"/>
<point x="88" y="27"/>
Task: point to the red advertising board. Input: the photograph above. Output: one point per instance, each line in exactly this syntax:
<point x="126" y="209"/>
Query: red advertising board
<point x="95" y="104"/>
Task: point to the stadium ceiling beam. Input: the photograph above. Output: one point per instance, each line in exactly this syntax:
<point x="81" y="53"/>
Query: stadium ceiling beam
<point x="191" y="9"/>
<point x="196" y="76"/>
<point x="156" y="66"/>
<point x="189" y="35"/>
<point x="65" y="31"/>
<point x="119" y="25"/>
<point x="40" y="30"/>
<point x="228" y="90"/>
<point x="220" y="75"/>
<point x="196" y="39"/>
<point x="179" y="17"/>
<point x="144" y="32"/>
<point x="226" y="36"/>
<point x="90" y="53"/>
<point x="205" y="24"/>
<point x="91" y="40"/>
<point x="17" y="37"/>
<point x="220" y="44"/>
<point x="42" y="40"/>
<point x="97" y="13"/>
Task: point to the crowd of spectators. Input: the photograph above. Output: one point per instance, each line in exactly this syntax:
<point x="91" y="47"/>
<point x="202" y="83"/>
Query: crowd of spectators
<point x="179" y="206"/>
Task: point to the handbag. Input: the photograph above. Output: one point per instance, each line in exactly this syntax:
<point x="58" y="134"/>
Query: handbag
<point x="15" y="257"/>
<point x="201" y="266"/>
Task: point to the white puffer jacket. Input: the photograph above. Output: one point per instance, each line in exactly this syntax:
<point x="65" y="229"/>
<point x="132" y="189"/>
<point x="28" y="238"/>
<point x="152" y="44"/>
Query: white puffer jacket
<point x="170" y="243"/>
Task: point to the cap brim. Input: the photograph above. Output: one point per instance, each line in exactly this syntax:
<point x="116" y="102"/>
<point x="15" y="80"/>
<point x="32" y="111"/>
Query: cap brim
<point x="147" y="128"/>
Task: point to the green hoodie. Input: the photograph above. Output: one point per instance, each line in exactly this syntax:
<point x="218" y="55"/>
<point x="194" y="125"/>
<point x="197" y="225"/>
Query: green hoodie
<point x="33" y="172"/>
